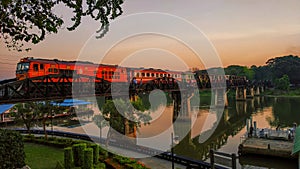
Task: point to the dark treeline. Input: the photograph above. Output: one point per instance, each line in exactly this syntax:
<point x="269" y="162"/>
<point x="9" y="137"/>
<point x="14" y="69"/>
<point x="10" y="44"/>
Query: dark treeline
<point x="274" y="69"/>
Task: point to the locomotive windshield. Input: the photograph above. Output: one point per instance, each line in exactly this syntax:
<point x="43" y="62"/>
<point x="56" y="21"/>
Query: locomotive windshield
<point x="22" y="66"/>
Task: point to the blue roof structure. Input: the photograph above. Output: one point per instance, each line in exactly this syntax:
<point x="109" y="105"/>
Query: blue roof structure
<point x="5" y="107"/>
<point x="71" y="102"/>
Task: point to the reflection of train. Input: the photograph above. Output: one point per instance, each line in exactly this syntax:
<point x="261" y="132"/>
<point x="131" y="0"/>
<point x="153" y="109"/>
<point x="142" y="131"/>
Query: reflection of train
<point x="31" y="67"/>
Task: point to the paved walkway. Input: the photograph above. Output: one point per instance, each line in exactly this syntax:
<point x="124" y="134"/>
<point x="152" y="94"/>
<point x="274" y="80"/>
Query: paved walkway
<point x="156" y="163"/>
<point x="152" y="162"/>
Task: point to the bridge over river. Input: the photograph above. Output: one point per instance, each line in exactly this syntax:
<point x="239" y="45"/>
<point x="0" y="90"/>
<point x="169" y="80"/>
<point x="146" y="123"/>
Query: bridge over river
<point x="60" y="86"/>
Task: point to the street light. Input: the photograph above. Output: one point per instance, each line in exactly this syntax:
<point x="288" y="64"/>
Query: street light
<point x="52" y="114"/>
<point x="174" y="140"/>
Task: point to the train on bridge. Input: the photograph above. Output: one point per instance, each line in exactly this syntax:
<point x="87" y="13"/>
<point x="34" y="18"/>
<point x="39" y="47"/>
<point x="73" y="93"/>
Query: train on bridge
<point x="30" y="67"/>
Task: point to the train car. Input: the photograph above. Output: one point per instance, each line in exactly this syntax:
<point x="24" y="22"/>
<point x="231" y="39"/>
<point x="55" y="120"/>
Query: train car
<point x="112" y="73"/>
<point x="146" y="75"/>
<point x="31" y="67"/>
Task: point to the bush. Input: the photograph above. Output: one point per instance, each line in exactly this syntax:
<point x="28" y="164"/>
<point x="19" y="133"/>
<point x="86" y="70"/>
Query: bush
<point x="95" y="148"/>
<point x="100" y="166"/>
<point x="12" y="153"/>
<point x="68" y="158"/>
<point x="103" y="153"/>
<point x="78" y="154"/>
<point x="88" y="159"/>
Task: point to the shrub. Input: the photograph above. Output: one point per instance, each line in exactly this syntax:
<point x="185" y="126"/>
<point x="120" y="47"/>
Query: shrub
<point x="12" y="153"/>
<point x="103" y="152"/>
<point x="78" y="154"/>
<point x="100" y="166"/>
<point x="68" y="158"/>
<point x="88" y="159"/>
<point x="95" y="148"/>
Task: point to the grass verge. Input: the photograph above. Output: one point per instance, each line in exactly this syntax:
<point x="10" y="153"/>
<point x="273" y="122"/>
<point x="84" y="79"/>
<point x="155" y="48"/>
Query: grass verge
<point x="42" y="157"/>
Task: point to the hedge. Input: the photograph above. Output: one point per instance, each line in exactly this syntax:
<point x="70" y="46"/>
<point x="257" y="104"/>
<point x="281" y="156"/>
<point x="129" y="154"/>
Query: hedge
<point x="68" y="158"/>
<point x="78" y="154"/>
<point x="95" y="148"/>
<point x="12" y="153"/>
<point x="88" y="159"/>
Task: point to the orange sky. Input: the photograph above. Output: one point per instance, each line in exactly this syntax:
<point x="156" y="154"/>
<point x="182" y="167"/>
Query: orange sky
<point x="244" y="32"/>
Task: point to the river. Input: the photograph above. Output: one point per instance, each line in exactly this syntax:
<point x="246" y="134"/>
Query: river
<point x="226" y="127"/>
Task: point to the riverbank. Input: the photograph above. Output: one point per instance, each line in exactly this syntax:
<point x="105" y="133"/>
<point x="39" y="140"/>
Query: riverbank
<point x="281" y="93"/>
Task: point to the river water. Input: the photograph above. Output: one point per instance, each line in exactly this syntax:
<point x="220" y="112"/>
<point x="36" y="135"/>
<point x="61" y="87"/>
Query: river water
<point x="202" y="128"/>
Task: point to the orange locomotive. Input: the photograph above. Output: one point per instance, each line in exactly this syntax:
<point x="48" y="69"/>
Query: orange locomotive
<point x="31" y="67"/>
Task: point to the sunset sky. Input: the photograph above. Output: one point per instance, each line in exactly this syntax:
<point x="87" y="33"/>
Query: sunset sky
<point x="243" y="32"/>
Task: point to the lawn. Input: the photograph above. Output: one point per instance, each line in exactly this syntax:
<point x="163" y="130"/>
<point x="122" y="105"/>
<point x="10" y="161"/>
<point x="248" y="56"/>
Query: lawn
<point x="42" y="157"/>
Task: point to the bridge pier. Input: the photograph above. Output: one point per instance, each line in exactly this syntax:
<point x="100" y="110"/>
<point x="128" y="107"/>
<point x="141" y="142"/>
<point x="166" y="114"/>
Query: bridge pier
<point x="257" y="91"/>
<point x="262" y="89"/>
<point x="220" y="97"/>
<point x="134" y="97"/>
<point x="177" y="104"/>
<point x="240" y="94"/>
<point x="241" y="107"/>
<point x="250" y="93"/>
<point x="130" y="132"/>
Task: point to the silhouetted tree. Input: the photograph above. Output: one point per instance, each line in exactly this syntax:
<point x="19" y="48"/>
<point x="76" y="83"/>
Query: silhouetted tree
<point x="286" y="65"/>
<point x="31" y="20"/>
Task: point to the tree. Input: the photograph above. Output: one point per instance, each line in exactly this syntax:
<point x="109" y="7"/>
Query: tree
<point x="128" y="116"/>
<point x="239" y="71"/>
<point x="285" y="65"/>
<point x="30" y="113"/>
<point x="283" y="83"/>
<point x="100" y="122"/>
<point x="262" y="73"/>
<point x="31" y="20"/>
<point x="45" y="111"/>
<point x="23" y="113"/>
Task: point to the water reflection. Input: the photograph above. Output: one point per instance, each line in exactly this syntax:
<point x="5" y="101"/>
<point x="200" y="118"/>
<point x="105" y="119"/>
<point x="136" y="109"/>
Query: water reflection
<point x="268" y="112"/>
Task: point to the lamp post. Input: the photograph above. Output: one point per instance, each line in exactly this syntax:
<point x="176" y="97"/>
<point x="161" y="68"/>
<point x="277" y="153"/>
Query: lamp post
<point x="52" y="124"/>
<point x="173" y="140"/>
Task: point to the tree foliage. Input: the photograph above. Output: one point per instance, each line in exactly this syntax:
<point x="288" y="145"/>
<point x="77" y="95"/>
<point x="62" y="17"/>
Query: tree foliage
<point x="286" y="65"/>
<point x="262" y="73"/>
<point x="119" y="118"/>
<point x="239" y="71"/>
<point x="31" y="20"/>
<point x="12" y="153"/>
<point x="283" y="83"/>
<point x="30" y="113"/>
<point x="45" y="111"/>
<point x="24" y="114"/>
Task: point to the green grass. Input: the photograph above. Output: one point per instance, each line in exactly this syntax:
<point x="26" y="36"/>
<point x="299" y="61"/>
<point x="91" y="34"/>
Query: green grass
<point x="42" y="157"/>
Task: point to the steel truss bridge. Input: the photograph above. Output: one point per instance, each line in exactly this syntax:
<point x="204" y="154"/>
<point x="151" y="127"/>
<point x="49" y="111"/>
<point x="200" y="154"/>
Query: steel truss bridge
<point x="58" y="87"/>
